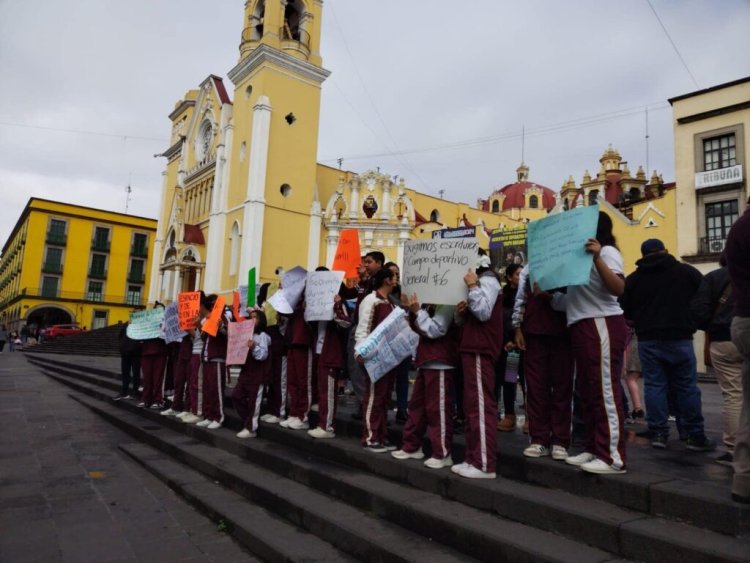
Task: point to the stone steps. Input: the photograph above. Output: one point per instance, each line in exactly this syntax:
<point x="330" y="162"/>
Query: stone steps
<point x="613" y="531"/>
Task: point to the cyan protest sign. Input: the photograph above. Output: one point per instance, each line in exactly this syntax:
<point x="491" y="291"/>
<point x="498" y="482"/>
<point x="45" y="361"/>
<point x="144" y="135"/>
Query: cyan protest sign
<point x="557" y="256"/>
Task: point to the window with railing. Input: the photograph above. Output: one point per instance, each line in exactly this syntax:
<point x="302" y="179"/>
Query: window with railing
<point x="136" y="274"/>
<point x="95" y="291"/>
<point x="50" y="286"/>
<point x="53" y="261"/>
<point x="140" y="245"/>
<point x="56" y="233"/>
<point x="100" y="241"/>
<point x="720" y="216"/>
<point x="98" y="266"/>
<point x="134" y="295"/>
<point x="719" y="152"/>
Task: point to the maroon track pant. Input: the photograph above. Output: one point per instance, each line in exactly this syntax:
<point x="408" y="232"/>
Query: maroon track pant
<point x="300" y="366"/>
<point x="598" y="347"/>
<point x="195" y="385"/>
<point x="181" y="387"/>
<point x="375" y="409"/>
<point x="327" y="399"/>
<point x="246" y="399"/>
<point x="480" y="409"/>
<point x="153" y="378"/>
<point x="431" y="410"/>
<point x="548" y="364"/>
<point x="277" y="388"/>
<point x="213" y="405"/>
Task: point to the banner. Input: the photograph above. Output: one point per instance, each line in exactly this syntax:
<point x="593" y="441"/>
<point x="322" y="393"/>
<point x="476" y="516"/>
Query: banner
<point x="388" y="345"/>
<point x="320" y="291"/>
<point x="211" y="326"/>
<point x="293" y="285"/>
<point x="460" y="232"/>
<point x="189" y="304"/>
<point x="237" y="338"/>
<point x="434" y="269"/>
<point x="171" y="326"/>
<point x="146" y="324"/>
<point x="508" y="246"/>
<point x="347" y="257"/>
<point x="557" y="256"/>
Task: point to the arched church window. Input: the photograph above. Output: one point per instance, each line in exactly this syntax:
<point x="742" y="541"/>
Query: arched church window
<point x="234" y="254"/>
<point x="257" y="20"/>
<point x="172" y="238"/>
<point x="534" y="202"/>
<point x="435" y="216"/>
<point x="635" y="194"/>
<point x="339" y="207"/>
<point x="593" y="195"/>
<point x="292" y="17"/>
<point x="369" y="207"/>
<point x="496" y="206"/>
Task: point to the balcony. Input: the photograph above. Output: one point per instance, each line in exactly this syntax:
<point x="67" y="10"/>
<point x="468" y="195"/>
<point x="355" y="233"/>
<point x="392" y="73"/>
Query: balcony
<point x="56" y="239"/>
<point x="139" y="250"/>
<point x="136" y="277"/>
<point x="98" y="273"/>
<point x="133" y="299"/>
<point x="711" y="245"/>
<point x="52" y="268"/>
<point x="100" y="245"/>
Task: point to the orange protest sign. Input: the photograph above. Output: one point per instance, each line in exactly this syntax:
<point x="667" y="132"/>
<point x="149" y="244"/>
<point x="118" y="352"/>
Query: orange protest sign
<point x="236" y="307"/>
<point x="347" y="256"/>
<point x="188" y="308"/>
<point x="211" y="326"/>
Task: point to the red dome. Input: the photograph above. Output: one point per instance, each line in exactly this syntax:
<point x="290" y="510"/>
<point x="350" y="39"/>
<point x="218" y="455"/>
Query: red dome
<point x="514" y="196"/>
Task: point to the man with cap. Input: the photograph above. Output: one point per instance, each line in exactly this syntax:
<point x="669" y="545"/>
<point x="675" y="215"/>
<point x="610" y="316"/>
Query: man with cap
<point x="657" y="300"/>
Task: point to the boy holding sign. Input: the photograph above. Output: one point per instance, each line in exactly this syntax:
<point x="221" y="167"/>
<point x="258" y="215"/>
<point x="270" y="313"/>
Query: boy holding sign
<point x="213" y="359"/>
<point x="254" y="376"/>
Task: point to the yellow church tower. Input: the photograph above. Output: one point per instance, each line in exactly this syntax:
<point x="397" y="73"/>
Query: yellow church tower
<point x="273" y="196"/>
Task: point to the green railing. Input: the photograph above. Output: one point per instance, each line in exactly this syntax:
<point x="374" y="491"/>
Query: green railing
<point x="98" y="273"/>
<point x="52" y="268"/>
<point x="139" y="250"/>
<point x="58" y="239"/>
<point x="100" y="245"/>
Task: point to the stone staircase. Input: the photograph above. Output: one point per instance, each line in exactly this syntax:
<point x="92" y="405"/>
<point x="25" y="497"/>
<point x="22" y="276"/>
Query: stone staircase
<point x="99" y="342"/>
<point x="288" y="497"/>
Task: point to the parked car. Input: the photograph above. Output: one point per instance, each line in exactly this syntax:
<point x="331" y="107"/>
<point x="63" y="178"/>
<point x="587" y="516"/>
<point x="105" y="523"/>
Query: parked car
<point x="59" y="331"/>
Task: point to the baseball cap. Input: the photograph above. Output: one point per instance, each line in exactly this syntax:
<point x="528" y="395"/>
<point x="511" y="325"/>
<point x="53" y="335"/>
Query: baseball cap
<point x="651" y="245"/>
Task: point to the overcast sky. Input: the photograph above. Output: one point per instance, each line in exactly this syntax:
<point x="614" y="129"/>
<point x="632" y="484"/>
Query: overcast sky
<point x="437" y="91"/>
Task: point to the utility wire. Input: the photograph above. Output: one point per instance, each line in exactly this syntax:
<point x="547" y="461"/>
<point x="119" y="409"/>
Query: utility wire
<point x="676" y="50"/>
<point x="82" y="132"/>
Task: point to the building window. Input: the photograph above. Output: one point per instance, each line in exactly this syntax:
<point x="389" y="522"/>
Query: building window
<point x="140" y="245"/>
<point x="593" y="196"/>
<point x="720" y="217"/>
<point x="533" y="202"/>
<point x="53" y="261"/>
<point x="136" y="274"/>
<point x="495" y="206"/>
<point x="101" y="239"/>
<point x="98" y="266"/>
<point x="719" y="152"/>
<point x="96" y="291"/>
<point x="56" y="233"/>
<point x="234" y="255"/>
<point x="435" y="216"/>
<point x="134" y="295"/>
<point x="50" y="286"/>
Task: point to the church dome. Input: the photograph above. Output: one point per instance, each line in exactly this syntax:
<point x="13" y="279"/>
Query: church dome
<point x="521" y="194"/>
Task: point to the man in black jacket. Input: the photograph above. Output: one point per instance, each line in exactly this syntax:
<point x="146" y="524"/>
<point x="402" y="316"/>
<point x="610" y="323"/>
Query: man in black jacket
<point x="657" y="299"/>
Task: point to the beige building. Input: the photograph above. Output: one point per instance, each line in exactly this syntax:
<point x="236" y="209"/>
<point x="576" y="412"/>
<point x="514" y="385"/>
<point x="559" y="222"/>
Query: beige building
<point x="711" y="156"/>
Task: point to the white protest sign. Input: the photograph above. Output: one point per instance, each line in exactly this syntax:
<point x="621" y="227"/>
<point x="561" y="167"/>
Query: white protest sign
<point x="237" y="338"/>
<point x="279" y="303"/>
<point x="293" y="284"/>
<point x="171" y="326"/>
<point x="145" y="324"/>
<point x="435" y="269"/>
<point x="242" y="290"/>
<point x="320" y="291"/>
<point x="388" y="345"/>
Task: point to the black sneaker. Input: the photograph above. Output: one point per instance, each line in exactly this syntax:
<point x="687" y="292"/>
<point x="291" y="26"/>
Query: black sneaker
<point x="744" y="499"/>
<point x="119" y="397"/>
<point x="401" y="417"/>
<point x="389" y="447"/>
<point x="700" y="443"/>
<point x="725" y="459"/>
<point x="659" y="441"/>
<point x="637" y="413"/>
<point x="376" y="448"/>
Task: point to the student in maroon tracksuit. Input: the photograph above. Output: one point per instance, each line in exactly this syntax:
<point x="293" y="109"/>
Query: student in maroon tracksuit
<point x="542" y="333"/>
<point x="193" y="395"/>
<point x="276" y="390"/>
<point x="181" y="373"/>
<point x="373" y="310"/>
<point x="431" y="404"/>
<point x="481" y="342"/>
<point x="330" y="352"/>
<point x="153" y="362"/>
<point x="598" y="333"/>
<point x="213" y="364"/>
<point x="254" y="376"/>
<point x="300" y="368"/>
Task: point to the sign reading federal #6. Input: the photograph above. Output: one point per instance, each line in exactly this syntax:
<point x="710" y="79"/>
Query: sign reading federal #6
<point x="710" y="178"/>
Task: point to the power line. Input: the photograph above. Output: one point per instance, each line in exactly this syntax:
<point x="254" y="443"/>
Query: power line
<point x="676" y="50"/>
<point x="83" y="132"/>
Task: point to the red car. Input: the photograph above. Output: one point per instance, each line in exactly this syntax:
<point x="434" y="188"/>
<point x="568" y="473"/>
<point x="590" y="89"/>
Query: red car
<point x="58" y="331"/>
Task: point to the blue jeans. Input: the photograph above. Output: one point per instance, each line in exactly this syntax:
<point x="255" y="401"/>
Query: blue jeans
<point x="669" y="366"/>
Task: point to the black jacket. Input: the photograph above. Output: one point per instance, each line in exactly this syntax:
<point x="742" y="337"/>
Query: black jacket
<point x="657" y="298"/>
<point x="709" y="314"/>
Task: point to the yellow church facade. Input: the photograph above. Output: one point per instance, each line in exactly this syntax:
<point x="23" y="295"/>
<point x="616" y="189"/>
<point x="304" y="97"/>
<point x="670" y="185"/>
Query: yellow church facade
<point x="242" y="187"/>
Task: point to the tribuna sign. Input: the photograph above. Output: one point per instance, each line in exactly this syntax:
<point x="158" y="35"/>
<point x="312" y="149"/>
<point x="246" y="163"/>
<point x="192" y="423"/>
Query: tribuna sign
<point x="731" y="175"/>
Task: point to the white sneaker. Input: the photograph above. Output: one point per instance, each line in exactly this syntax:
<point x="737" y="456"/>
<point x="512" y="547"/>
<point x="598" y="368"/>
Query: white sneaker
<point x="314" y="408"/>
<point x="213" y="425"/>
<point x="168" y="412"/>
<point x="321" y="433"/>
<point x="471" y="472"/>
<point x="435" y="463"/>
<point x="536" y="450"/>
<point x="245" y="433"/>
<point x="270" y="419"/>
<point x="183" y="414"/>
<point x="601" y="467"/>
<point x="401" y="454"/>
<point x="191" y="418"/>
<point x="559" y="453"/>
<point x="459" y="466"/>
<point x="203" y="423"/>
<point x="579" y="459"/>
<point x="297" y="424"/>
<point x="288" y="421"/>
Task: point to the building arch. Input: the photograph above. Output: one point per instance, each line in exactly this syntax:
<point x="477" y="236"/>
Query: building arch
<point x="48" y="314"/>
